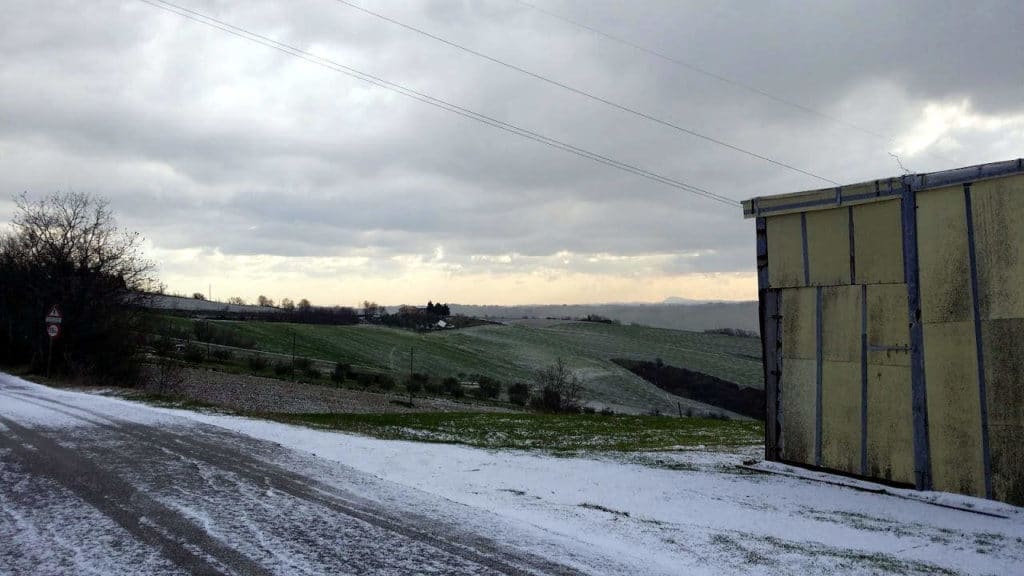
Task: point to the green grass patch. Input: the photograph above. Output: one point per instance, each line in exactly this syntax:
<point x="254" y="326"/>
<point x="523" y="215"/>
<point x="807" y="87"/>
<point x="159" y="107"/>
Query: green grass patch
<point x="553" y="432"/>
<point x="512" y="353"/>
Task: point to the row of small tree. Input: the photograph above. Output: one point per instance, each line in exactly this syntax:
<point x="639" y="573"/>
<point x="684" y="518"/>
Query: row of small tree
<point x="438" y="309"/>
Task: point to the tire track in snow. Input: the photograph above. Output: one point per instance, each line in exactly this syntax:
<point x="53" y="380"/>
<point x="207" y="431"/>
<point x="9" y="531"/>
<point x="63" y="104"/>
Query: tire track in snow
<point x="477" y="549"/>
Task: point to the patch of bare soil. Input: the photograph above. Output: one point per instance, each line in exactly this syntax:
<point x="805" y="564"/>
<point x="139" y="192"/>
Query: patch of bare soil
<point x="258" y="394"/>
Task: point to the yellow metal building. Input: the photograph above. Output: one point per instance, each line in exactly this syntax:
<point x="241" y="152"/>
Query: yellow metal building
<point x="892" y="323"/>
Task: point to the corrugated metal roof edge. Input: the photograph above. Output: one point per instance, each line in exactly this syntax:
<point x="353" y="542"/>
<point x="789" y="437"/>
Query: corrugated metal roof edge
<point x="824" y="198"/>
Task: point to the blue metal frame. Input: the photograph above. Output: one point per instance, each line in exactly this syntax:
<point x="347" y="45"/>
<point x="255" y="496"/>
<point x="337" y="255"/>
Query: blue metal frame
<point x="768" y="316"/>
<point x="919" y="182"/>
<point x="807" y="256"/>
<point x="758" y="211"/>
<point x="818" y="379"/>
<point x="853" y="252"/>
<point x="864" y="380"/>
<point x="918" y="392"/>
<point x="979" y="345"/>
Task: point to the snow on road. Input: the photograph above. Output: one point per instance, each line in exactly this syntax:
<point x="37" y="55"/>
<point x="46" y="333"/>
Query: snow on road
<point x="684" y="512"/>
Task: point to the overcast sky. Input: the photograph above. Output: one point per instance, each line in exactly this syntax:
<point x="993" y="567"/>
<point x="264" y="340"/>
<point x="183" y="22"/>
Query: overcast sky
<point x="259" y="173"/>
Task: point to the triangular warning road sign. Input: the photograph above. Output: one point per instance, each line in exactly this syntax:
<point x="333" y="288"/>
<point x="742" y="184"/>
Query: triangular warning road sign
<point x="54" y="312"/>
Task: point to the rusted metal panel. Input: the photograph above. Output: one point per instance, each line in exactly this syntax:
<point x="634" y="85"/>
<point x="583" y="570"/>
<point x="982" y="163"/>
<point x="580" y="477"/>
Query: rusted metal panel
<point x="785" y="251"/>
<point x="999" y="234"/>
<point x="841" y="415"/>
<point x="798" y="380"/>
<point x="944" y="264"/>
<point x="841" y="378"/>
<point x="798" y="409"/>
<point x="1004" y="372"/>
<point x="828" y="247"/>
<point x="878" y="244"/>
<point x="888" y="341"/>
<point x="798" y="321"/>
<point x="953" y="408"/>
<point x="841" y="323"/>
<point x="890" y="434"/>
<point x="915" y="373"/>
<point x="889" y="442"/>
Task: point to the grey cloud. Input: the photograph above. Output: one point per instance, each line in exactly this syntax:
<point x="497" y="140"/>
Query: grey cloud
<point x="203" y="140"/>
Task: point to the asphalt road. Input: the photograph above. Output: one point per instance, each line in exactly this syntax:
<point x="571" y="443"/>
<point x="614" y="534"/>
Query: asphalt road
<point x="86" y="490"/>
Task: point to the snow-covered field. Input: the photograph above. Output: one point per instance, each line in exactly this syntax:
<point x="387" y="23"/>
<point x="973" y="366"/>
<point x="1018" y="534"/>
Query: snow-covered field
<point x="684" y="512"/>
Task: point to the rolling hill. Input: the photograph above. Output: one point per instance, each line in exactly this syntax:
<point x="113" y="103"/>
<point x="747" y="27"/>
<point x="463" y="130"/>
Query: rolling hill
<point x="512" y="352"/>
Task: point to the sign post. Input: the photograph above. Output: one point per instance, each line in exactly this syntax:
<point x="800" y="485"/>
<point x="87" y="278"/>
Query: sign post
<point x="54" y="319"/>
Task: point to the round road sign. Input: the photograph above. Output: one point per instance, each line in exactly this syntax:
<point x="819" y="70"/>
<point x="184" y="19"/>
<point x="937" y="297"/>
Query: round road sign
<point x="53" y="330"/>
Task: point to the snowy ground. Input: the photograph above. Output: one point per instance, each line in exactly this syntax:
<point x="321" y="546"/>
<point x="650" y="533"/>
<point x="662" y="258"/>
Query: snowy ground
<point x="245" y="495"/>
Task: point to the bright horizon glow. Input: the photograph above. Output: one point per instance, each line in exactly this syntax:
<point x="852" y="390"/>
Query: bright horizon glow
<point x="345" y="284"/>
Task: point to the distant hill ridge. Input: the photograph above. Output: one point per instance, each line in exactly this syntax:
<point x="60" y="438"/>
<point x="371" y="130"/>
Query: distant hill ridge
<point x="695" y="317"/>
<point x="675" y="316"/>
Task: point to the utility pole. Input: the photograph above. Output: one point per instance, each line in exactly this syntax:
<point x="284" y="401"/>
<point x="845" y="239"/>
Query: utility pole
<point x="412" y="353"/>
<point x="293" y="355"/>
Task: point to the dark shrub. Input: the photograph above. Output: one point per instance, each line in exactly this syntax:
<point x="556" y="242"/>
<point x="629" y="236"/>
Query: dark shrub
<point x="413" y="385"/>
<point x="550" y="400"/>
<point x="301" y="363"/>
<point x="519" y="393"/>
<point x="606" y="411"/>
<point x="434" y="387"/>
<point x="282" y="368"/>
<point x="257" y="363"/>
<point x="221" y="354"/>
<point x="452" y="386"/>
<point x="192" y="354"/>
<point x="311" y="373"/>
<point x="163" y="346"/>
<point x="385" y="381"/>
<point x="364" y="380"/>
<point x="340" y="372"/>
<point x="489" y="388"/>
<point x="589" y="410"/>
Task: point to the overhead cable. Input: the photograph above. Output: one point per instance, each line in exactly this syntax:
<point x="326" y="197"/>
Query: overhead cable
<point x="720" y="77"/>
<point x="436" y="102"/>
<point x="590" y="95"/>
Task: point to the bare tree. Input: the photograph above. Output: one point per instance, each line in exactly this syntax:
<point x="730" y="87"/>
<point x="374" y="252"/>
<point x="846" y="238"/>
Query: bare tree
<point x="67" y="250"/>
<point x="559" y="379"/>
<point x="287" y="304"/>
<point x="262" y="300"/>
<point x="237" y="300"/>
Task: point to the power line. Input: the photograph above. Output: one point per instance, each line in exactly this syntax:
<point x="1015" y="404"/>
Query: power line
<point x="721" y="78"/>
<point x="427" y="99"/>
<point x="701" y="70"/>
<point x="586" y="94"/>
